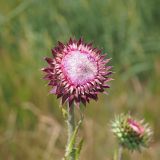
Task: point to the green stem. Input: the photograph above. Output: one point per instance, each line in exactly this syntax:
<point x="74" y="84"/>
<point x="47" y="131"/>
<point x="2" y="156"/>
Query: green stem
<point x="120" y="150"/>
<point x="71" y="128"/>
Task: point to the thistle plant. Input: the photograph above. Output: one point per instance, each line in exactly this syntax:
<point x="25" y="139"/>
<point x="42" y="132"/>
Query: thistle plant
<point x="77" y="73"/>
<point x="130" y="133"/>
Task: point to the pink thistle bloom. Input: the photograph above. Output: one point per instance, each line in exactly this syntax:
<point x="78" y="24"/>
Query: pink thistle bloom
<point x="77" y="72"/>
<point x="137" y="127"/>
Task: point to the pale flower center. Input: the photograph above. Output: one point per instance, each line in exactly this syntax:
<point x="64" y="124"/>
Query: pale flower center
<point x="79" y="67"/>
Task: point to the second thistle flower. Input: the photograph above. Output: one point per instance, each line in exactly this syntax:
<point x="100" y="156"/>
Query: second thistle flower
<point x="131" y="134"/>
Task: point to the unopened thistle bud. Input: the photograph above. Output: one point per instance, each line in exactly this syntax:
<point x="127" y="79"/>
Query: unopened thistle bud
<point x="131" y="134"/>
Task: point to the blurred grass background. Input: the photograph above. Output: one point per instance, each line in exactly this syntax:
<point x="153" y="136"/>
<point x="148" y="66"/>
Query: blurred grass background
<point x="31" y="125"/>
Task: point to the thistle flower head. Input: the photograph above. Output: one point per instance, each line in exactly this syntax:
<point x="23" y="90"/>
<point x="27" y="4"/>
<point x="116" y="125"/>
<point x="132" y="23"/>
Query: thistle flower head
<point x="131" y="134"/>
<point x="77" y="72"/>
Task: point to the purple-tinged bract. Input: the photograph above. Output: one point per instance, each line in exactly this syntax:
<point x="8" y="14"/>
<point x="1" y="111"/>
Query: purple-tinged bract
<point x="77" y="72"/>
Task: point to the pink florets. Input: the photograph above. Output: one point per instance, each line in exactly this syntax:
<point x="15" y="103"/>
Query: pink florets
<point x="79" y="67"/>
<point x="137" y="127"/>
<point x="77" y="72"/>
